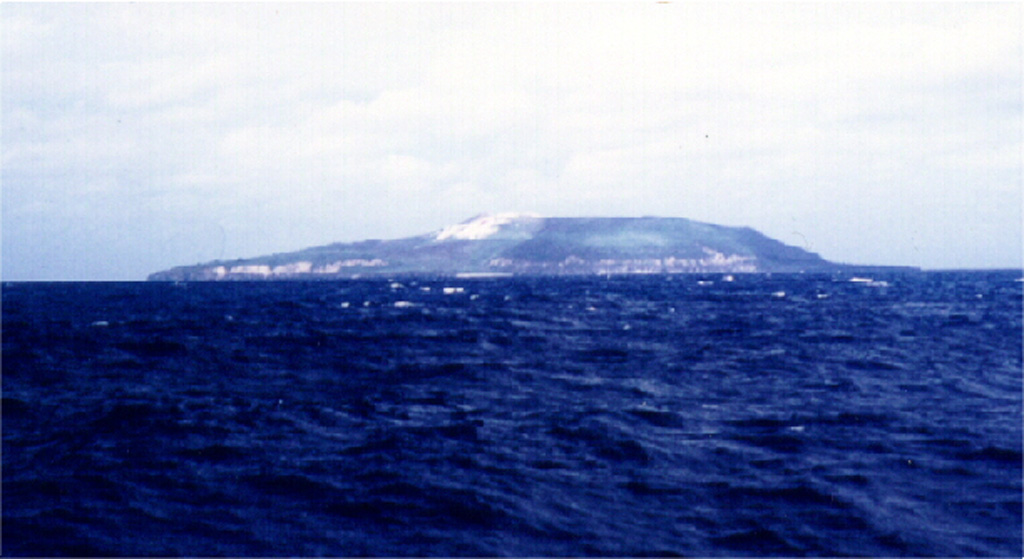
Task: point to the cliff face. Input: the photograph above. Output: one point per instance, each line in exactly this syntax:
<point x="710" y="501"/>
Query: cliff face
<point x="517" y="244"/>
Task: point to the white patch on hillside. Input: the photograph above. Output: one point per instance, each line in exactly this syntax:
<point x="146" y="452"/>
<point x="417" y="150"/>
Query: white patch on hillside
<point x="481" y="227"/>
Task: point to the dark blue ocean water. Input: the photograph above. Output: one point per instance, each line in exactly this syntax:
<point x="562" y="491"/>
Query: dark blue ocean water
<point x="654" y="415"/>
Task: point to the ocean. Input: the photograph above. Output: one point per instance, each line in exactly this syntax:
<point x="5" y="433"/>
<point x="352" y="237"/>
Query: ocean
<point x="755" y="415"/>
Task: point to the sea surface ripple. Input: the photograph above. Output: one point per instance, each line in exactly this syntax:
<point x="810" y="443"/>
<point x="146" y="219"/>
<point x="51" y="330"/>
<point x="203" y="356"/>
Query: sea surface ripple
<point x="654" y="415"/>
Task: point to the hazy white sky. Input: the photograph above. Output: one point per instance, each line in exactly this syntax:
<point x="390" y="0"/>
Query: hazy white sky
<point x="137" y="137"/>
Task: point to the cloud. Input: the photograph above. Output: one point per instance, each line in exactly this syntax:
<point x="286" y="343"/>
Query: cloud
<point x="283" y="126"/>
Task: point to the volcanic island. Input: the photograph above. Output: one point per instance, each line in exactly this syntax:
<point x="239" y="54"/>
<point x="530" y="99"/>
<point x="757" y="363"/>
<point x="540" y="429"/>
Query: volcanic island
<point x="512" y="244"/>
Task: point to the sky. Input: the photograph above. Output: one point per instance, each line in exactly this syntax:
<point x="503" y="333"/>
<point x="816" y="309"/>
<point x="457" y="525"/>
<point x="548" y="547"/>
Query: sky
<point x="138" y="137"/>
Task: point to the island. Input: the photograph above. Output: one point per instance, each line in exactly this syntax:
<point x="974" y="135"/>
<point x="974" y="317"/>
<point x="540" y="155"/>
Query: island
<point x="510" y="244"/>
